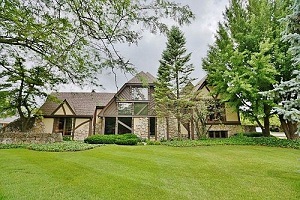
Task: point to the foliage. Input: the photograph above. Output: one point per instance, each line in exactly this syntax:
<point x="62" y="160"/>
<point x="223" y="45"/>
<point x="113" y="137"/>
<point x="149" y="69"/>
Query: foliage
<point x="173" y="80"/>
<point x="250" y="134"/>
<point x="12" y="146"/>
<point x="46" y="43"/>
<point x="124" y="139"/>
<point x="291" y="33"/>
<point x="62" y="146"/>
<point x="237" y="140"/>
<point x="52" y="147"/>
<point x="248" y="57"/>
<point x="289" y="108"/>
<point x="150" y="142"/>
<point x="100" y="139"/>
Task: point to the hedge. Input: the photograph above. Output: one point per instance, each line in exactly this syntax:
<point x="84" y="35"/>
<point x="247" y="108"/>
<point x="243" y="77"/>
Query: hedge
<point x="124" y="139"/>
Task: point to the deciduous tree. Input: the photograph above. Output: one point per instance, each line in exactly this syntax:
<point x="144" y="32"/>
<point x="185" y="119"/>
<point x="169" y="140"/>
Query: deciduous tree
<point x="71" y="41"/>
<point x="248" y="57"/>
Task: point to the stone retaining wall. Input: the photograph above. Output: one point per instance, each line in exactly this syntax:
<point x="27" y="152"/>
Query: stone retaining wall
<point x="29" y="138"/>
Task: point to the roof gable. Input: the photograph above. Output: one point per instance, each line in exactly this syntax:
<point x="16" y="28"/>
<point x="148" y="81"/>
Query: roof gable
<point x="142" y="78"/>
<point x="81" y="103"/>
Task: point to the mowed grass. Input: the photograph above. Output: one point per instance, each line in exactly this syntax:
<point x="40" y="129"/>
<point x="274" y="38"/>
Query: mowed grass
<point x="151" y="172"/>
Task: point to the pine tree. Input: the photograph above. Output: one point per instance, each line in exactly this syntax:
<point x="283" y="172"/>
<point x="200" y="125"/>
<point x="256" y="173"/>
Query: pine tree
<point x="173" y="75"/>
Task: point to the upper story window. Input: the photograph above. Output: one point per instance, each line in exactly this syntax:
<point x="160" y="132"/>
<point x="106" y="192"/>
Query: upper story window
<point x="125" y="108"/>
<point x="216" y="112"/>
<point x="139" y="93"/>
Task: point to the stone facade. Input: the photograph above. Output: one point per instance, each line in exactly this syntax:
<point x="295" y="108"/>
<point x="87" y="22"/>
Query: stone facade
<point x="141" y="127"/>
<point x="231" y="129"/>
<point x="82" y="133"/>
<point x="29" y="138"/>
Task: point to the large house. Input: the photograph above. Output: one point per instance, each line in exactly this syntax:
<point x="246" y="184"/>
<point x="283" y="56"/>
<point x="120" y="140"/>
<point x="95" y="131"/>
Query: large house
<point x="130" y="110"/>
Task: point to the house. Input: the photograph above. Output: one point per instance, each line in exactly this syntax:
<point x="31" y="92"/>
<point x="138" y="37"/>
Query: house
<point x="130" y="110"/>
<point x="74" y="114"/>
<point x="222" y="120"/>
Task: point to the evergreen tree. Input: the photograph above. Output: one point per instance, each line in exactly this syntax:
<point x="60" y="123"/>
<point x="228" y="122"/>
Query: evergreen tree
<point x="173" y="75"/>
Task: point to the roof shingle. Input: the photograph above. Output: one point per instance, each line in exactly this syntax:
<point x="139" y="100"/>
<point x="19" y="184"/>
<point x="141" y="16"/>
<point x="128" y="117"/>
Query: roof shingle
<point x="82" y="103"/>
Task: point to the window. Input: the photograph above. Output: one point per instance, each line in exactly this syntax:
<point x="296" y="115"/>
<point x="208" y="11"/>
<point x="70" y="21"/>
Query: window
<point x="124" y="125"/>
<point x="152" y="126"/>
<point x="125" y="108"/>
<point x="140" y="108"/>
<point x="139" y="93"/>
<point x="216" y="112"/>
<point x="110" y="125"/>
<point x="63" y="125"/>
<point x="218" y="134"/>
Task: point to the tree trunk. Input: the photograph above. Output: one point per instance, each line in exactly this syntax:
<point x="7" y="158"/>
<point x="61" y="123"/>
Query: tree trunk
<point x="289" y="128"/>
<point x="266" y="130"/>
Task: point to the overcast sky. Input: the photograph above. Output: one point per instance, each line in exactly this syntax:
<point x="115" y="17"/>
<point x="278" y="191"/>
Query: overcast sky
<point x="145" y="57"/>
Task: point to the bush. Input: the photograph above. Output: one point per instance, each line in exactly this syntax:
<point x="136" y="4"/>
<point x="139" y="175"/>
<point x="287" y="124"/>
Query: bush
<point x="124" y="139"/>
<point x="237" y="140"/>
<point x="62" y="146"/>
<point x="100" y="139"/>
<point x="67" y="138"/>
<point x="149" y="142"/>
<point x="250" y="134"/>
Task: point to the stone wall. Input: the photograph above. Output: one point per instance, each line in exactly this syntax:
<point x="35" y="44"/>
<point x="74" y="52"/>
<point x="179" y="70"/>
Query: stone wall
<point x="141" y="127"/>
<point x="29" y="138"/>
<point x="232" y="129"/>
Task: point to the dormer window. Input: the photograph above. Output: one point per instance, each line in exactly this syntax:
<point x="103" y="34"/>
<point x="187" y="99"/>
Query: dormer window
<point x="139" y="93"/>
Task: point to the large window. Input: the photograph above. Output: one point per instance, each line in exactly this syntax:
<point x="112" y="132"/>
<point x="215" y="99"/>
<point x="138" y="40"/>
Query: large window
<point x="140" y="108"/>
<point x="125" y="108"/>
<point x="135" y="108"/>
<point x="63" y="125"/>
<point x="139" y="93"/>
<point x="216" y="112"/>
<point x="110" y="125"/>
<point x="124" y="125"/>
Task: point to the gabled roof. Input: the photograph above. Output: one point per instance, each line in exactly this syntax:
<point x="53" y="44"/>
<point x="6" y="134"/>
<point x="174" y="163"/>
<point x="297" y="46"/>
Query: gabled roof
<point x="82" y="103"/>
<point x="142" y="77"/>
<point x="200" y="84"/>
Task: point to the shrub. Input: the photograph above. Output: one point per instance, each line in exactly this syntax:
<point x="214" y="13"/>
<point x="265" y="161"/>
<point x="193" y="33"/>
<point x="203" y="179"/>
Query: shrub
<point x="237" y="140"/>
<point x="67" y="138"/>
<point x="100" y="139"/>
<point x="149" y="142"/>
<point x="250" y="134"/>
<point x="126" y="141"/>
<point x="62" y="146"/>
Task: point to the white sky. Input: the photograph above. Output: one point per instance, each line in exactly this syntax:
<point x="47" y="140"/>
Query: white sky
<point x="147" y="54"/>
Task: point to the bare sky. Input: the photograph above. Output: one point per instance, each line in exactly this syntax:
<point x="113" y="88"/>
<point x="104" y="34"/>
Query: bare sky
<point x="147" y="54"/>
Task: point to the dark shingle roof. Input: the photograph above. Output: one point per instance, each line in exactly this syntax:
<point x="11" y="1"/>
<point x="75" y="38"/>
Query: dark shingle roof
<point x="143" y="77"/>
<point x="82" y="103"/>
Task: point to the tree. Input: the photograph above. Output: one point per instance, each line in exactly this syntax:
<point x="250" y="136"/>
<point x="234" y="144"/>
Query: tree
<point x="292" y="32"/>
<point x="173" y="75"/>
<point x="289" y="107"/>
<point x="287" y="92"/>
<point x="70" y="41"/>
<point x="248" y="57"/>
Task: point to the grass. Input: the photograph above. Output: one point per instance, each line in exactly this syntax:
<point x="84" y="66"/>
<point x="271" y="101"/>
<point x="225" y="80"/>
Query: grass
<point x="152" y="172"/>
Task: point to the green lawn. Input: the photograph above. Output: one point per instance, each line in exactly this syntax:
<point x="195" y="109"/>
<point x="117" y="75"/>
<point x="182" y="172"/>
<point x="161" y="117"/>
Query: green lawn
<point x="151" y="172"/>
